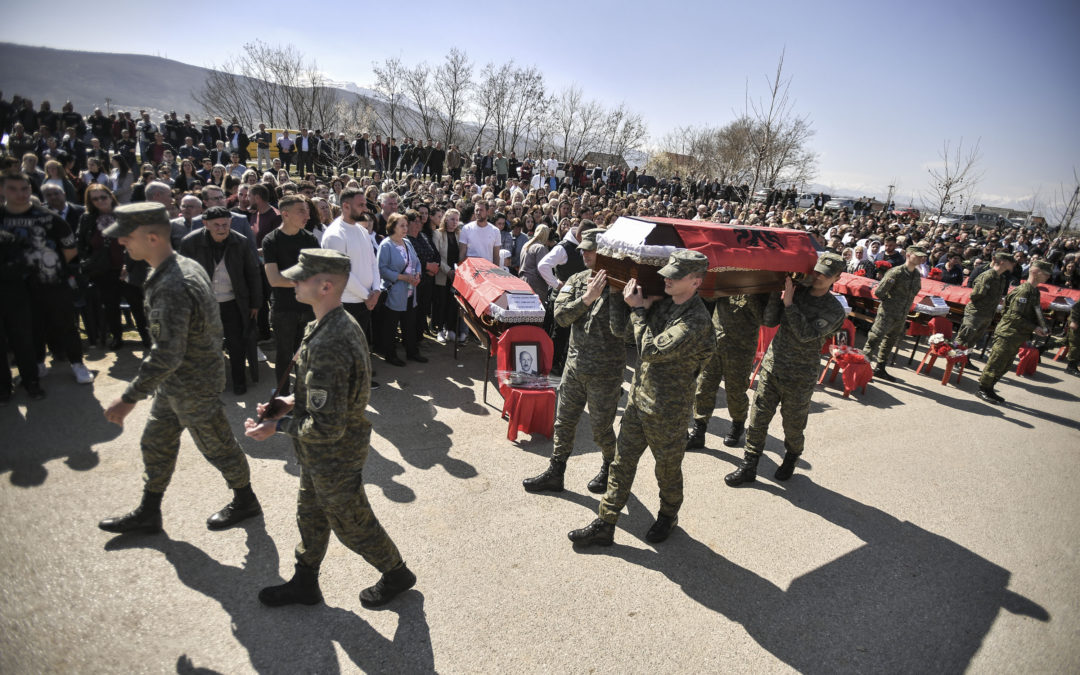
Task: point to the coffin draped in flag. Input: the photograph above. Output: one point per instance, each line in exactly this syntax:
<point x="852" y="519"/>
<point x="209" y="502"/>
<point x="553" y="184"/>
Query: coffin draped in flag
<point x="496" y="295"/>
<point x="742" y="259"/>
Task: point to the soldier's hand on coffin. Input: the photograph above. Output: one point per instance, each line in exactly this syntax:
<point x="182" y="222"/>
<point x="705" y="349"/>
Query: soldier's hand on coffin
<point x="596" y="287"/>
<point x="632" y="294"/>
<point x="789" y="292"/>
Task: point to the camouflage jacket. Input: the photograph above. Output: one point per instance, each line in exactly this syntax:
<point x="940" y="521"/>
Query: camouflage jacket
<point x="795" y="352"/>
<point x="333" y="383"/>
<point x="897" y="290"/>
<point x="674" y="342"/>
<point x="736" y="320"/>
<point x="1022" y="313"/>
<point x="185" y="358"/>
<point x="986" y="294"/>
<point x="594" y="349"/>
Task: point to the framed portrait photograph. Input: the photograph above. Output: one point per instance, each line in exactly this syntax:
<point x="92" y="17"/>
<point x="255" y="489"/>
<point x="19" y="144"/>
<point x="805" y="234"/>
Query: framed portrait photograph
<point x="526" y="357"/>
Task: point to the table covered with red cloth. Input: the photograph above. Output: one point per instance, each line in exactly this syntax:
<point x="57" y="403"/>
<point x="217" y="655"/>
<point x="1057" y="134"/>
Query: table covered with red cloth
<point x="531" y="411"/>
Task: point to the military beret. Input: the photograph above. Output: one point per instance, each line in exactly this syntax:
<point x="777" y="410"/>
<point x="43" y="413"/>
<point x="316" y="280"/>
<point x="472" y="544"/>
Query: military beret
<point x="318" y="261"/>
<point x="1042" y="266"/>
<point x="1004" y="256"/>
<point x="830" y="264"/>
<point x="130" y="217"/>
<point x="916" y="250"/>
<point x="683" y="262"/>
<point x="588" y="239"/>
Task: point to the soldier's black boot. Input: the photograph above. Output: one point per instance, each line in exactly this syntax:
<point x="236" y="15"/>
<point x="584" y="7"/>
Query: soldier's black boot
<point x="1071" y="369"/>
<point x="598" y="533"/>
<point x="392" y="584"/>
<point x="989" y="395"/>
<point x="787" y="468"/>
<point x="747" y="473"/>
<point x="145" y="519"/>
<point x="661" y="529"/>
<point x="243" y="506"/>
<point x="695" y="439"/>
<point x="549" y="481"/>
<point x="598" y="485"/>
<point x="302" y="589"/>
<point x="883" y="374"/>
<point x="734" y="436"/>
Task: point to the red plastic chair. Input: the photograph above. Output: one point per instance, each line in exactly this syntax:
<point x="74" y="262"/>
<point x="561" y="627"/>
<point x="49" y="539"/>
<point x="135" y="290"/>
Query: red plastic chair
<point x="530" y="411"/>
<point x="765" y="337"/>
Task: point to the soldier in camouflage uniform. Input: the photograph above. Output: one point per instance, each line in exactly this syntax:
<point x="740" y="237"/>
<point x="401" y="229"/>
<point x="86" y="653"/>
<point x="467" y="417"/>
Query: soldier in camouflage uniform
<point x="674" y="340"/>
<point x="593" y="374"/>
<point x="736" y="321"/>
<point x="1074" y="340"/>
<point x="896" y="291"/>
<point x="807" y="318"/>
<point x="184" y="371"/>
<point x="331" y="436"/>
<point x="1021" y="316"/>
<point x="986" y="293"/>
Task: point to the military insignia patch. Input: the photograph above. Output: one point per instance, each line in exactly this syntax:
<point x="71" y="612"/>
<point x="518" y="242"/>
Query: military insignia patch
<point x="316" y="398"/>
<point x="155" y="329"/>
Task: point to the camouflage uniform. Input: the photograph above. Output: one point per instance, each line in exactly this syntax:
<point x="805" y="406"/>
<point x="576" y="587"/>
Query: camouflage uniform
<point x="331" y="436"/>
<point x="185" y="372"/>
<point x="594" y="368"/>
<point x="1022" y="315"/>
<point x="674" y="342"/>
<point x="896" y="291"/>
<point x="736" y="321"/>
<point x="791" y="366"/>
<point x="1074" y="337"/>
<point x="979" y="313"/>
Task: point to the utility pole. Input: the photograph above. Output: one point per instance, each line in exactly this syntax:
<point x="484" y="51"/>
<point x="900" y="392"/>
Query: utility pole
<point x="1070" y="212"/>
<point x="888" y="200"/>
<point x="108" y="106"/>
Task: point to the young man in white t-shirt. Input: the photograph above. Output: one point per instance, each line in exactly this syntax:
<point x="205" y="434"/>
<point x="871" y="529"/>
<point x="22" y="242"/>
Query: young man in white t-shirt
<point x="479" y="239"/>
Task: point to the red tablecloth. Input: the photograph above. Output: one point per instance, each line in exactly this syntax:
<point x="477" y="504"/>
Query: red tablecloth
<point x="529" y="410"/>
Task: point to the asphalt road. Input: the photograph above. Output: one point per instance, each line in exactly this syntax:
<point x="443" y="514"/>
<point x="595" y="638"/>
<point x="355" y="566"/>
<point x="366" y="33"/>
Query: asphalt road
<point x="925" y="531"/>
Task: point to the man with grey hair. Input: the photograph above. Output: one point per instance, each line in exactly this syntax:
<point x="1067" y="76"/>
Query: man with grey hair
<point x="388" y="203"/>
<point x="190" y="206"/>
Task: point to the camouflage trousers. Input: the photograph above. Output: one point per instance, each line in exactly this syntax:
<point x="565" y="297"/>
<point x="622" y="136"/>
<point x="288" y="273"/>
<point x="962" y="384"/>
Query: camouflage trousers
<point x="601" y="393"/>
<point x="334" y="500"/>
<point x="666" y="437"/>
<point x="972" y="330"/>
<point x="793" y="399"/>
<point x="733" y="367"/>
<point x="204" y="418"/>
<point x="1001" y="358"/>
<point x="1073" y="342"/>
<point x="884" y="334"/>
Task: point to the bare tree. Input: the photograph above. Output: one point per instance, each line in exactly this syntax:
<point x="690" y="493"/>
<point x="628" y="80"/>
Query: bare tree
<point x="623" y="130"/>
<point x="527" y="93"/>
<point x="453" y="85"/>
<point x="389" y="85"/>
<point x="1064" y="208"/>
<point x="490" y="91"/>
<point x="419" y="84"/>
<point x="956" y="177"/>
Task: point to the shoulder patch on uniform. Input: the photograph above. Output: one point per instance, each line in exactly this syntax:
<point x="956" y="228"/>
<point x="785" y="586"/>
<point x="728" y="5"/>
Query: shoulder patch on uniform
<point x="316" y="398"/>
<point x="821" y="323"/>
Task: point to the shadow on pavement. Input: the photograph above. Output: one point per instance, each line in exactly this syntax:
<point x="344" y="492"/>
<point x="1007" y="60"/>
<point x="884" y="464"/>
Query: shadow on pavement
<point x="907" y="600"/>
<point x="410" y="424"/>
<point x="298" y="638"/>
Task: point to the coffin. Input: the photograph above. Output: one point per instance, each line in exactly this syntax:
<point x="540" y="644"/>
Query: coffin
<point x="742" y="259"/>
<point x="495" y="296"/>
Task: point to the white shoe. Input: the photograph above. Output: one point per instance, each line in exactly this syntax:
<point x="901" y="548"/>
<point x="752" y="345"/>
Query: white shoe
<point x="42" y="370"/>
<point x="82" y="375"/>
<point x="262" y="357"/>
<point x="442" y="337"/>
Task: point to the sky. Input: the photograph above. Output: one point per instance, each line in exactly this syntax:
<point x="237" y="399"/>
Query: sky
<point x="884" y="84"/>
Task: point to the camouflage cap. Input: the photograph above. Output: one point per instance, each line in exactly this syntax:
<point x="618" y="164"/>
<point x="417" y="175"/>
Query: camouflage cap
<point x="683" y="262"/>
<point x="588" y="239"/>
<point x="1042" y="266"/>
<point x="1004" y="256"/>
<point x="130" y="217"/>
<point x="830" y="264"/>
<point x="916" y="250"/>
<point x="318" y="261"/>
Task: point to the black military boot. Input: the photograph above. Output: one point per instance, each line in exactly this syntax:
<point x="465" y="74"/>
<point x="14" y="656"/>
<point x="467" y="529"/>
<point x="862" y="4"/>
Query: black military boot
<point x="661" y="529"/>
<point x="598" y="532"/>
<point x="388" y="587"/>
<point x="1071" y="369"/>
<point x="549" y="481"/>
<point x="243" y="506"/>
<point x="695" y="439"/>
<point x="598" y="485"/>
<point x="787" y="468"/>
<point x="145" y="519"/>
<point x="747" y="473"/>
<point x="989" y="395"/>
<point x="302" y="589"/>
<point x="734" y="436"/>
<point x="883" y="374"/>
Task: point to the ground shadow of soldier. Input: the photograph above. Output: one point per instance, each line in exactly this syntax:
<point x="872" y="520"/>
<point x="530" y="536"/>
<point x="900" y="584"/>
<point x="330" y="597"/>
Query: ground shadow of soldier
<point x="298" y="638"/>
<point x="907" y="600"/>
<point x="410" y="425"/>
<point x="965" y="404"/>
<point x="37" y="439"/>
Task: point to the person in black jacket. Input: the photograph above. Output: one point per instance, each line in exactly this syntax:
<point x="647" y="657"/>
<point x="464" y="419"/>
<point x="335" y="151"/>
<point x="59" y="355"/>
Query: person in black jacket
<point x="234" y="277"/>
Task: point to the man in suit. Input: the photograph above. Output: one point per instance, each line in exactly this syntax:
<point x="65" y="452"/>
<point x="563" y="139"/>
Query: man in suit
<point x="54" y="199"/>
<point x="220" y="154"/>
<point x="306" y="149"/>
<point x="190" y="207"/>
<point x="238" y="142"/>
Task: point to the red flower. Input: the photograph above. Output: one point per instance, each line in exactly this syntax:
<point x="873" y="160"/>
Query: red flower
<point x="935" y="273"/>
<point x="860" y="272"/>
<point x="883" y="264"/>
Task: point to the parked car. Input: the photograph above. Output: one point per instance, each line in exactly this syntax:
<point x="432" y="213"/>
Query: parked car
<point x="760" y="195"/>
<point x="945" y="219"/>
<point x="840" y="204"/>
<point x="906" y="213"/>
